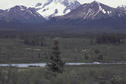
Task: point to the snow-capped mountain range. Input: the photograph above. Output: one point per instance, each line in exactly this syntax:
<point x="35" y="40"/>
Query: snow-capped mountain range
<point x="50" y="8"/>
<point x="63" y="10"/>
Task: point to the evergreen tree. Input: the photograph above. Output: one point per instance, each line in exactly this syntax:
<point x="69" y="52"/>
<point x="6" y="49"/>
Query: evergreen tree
<point x="55" y="63"/>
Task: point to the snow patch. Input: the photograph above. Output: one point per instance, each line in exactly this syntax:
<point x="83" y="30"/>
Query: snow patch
<point x="55" y="8"/>
<point x="101" y="9"/>
<point x="89" y="13"/>
<point x="109" y="12"/>
<point x="67" y="11"/>
<point x="51" y="8"/>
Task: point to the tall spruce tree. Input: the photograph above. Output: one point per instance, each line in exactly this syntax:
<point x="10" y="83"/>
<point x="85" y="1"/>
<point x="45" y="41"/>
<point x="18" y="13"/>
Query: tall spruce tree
<point x="55" y="63"/>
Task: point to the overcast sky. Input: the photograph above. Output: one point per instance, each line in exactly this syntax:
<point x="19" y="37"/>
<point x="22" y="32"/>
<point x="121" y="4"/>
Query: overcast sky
<point x="4" y="4"/>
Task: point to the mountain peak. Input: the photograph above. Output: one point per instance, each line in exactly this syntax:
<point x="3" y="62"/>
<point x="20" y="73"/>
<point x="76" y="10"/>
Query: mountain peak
<point x="93" y="10"/>
<point x="52" y="8"/>
<point x="19" y="7"/>
<point x="95" y="2"/>
<point x="21" y="14"/>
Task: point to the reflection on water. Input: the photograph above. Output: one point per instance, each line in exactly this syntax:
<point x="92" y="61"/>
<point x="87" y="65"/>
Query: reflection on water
<point x="44" y="64"/>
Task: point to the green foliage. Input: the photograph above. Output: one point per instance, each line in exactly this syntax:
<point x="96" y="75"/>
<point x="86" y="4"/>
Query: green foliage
<point x="55" y="63"/>
<point x="116" y="79"/>
<point x="96" y="51"/>
<point x="109" y="39"/>
<point x="34" y="41"/>
<point x="9" y="75"/>
<point x="96" y="74"/>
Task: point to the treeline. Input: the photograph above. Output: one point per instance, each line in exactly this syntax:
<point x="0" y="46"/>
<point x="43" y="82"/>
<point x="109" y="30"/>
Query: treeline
<point x="29" y="38"/>
<point x="34" y="41"/>
<point x="37" y="38"/>
<point x="110" y="39"/>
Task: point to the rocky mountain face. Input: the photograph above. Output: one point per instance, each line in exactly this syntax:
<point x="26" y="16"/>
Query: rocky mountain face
<point x="53" y="8"/>
<point x="21" y="14"/>
<point x="94" y="14"/>
<point x="121" y="11"/>
<point x="123" y="8"/>
<point x="93" y="11"/>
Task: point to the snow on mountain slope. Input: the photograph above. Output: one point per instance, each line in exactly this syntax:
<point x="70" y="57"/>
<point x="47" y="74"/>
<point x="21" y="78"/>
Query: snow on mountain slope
<point x="94" y="10"/>
<point x="47" y="8"/>
<point x="52" y="10"/>
<point x="56" y="7"/>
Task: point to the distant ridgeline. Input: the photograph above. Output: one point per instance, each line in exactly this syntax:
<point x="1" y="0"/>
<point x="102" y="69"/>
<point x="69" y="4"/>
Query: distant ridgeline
<point x="89" y="15"/>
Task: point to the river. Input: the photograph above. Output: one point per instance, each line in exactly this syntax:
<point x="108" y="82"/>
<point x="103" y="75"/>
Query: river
<point x="44" y="64"/>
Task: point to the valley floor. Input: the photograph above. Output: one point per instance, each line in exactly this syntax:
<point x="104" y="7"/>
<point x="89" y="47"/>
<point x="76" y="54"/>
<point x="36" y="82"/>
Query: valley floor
<point x="29" y="47"/>
<point x="88" y="74"/>
<point x="25" y="48"/>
